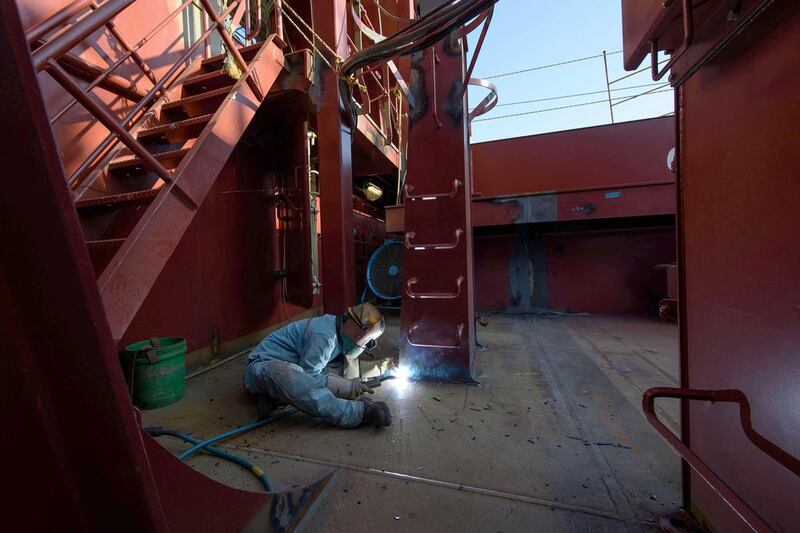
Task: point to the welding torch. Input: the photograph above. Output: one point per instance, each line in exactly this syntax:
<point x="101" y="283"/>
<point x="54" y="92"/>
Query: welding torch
<point x="377" y="380"/>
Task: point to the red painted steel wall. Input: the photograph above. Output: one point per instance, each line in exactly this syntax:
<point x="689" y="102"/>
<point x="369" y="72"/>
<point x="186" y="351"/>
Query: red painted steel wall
<point x="607" y="172"/>
<point x="221" y="274"/>
<point x="602" y="156"/>
<point x="492" y="262"/>
<point x="605" y="271"/>
<point x="740" y="177"/>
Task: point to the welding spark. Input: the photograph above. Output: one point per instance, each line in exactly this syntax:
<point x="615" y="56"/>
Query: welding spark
<point x="402" y="377"/>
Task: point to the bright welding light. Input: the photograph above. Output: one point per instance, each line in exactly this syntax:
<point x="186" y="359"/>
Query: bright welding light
<point x="402" y="377"/>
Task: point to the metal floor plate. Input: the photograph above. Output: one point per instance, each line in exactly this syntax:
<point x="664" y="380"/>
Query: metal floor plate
<point x="553" y="439"/>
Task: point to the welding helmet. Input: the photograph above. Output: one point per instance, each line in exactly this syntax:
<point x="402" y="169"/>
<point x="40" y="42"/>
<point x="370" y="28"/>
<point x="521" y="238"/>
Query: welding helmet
<point x="368" y="322"/>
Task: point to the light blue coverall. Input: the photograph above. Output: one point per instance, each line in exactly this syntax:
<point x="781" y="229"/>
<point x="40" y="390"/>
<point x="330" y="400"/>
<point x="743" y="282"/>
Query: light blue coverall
<point x="288" y="365"/>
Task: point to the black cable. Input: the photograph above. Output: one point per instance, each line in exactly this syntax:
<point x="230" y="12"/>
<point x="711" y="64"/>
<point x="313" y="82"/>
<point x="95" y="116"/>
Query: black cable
<point x="421" y="34"/>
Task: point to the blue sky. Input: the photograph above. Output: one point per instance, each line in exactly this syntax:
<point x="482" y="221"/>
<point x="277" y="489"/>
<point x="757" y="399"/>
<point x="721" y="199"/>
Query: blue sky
<point x="528" y="33"/>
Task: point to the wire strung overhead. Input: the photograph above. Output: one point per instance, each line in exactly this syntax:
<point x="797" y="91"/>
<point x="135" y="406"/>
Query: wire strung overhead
<point x="566" y="96"/>
<point x="620" y="100"/>
<point x="551" y="65"/>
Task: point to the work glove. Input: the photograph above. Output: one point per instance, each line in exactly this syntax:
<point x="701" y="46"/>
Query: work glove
<point x="347" y="389"/>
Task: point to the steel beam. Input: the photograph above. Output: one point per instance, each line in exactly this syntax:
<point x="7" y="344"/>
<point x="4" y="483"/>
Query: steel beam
<point x="336" y="170"/>
<point x="80" y="455"/>
<point x="437" y="332"/>
<point x="80" y="460"/>
<point x="738" y="258"/>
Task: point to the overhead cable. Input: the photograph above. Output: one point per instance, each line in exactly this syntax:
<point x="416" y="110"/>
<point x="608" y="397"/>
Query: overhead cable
<point x="578" y="94"/>
<point x="417" y="36"/>
<point x="603" y="101"/>
<point x="551" y="65"/>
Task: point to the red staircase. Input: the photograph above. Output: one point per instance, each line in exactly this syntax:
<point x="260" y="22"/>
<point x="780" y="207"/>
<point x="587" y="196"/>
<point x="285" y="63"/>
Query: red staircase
<point x="136" y="203"/>
<point x="132" y="233"/>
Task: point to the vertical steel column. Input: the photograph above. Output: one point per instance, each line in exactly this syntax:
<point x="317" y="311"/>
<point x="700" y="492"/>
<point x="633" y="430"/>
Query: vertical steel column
<point x="437" y="335"/>
<point x="335" y="167"/>
<point x="80" y="453"/>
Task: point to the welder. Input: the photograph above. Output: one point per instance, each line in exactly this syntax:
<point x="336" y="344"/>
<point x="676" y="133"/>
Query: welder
<point x="289" y="367"/>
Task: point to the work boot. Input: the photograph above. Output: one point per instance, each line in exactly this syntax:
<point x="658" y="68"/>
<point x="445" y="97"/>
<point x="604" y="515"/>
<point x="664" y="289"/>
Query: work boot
<point x="265" y="405"/>
<point x="375" y="413"/>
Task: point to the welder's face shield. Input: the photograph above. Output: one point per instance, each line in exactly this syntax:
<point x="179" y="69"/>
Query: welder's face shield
<point x="370" y="339"/>
<point x="361" y="326"/>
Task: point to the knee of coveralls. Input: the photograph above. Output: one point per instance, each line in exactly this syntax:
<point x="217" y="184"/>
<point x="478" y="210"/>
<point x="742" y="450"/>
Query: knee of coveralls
<point x="288" y="383"/>
<point x="280" y="379"/>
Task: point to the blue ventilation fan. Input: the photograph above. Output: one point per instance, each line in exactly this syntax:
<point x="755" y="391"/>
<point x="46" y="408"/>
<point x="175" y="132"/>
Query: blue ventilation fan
<point x="385" y="272"/>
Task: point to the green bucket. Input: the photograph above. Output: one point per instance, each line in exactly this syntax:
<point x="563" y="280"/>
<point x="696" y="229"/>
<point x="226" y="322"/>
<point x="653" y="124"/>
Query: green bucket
<point x="155" y="371"/>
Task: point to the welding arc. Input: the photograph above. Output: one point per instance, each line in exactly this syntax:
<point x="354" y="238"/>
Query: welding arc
<point x="417" y="36"/>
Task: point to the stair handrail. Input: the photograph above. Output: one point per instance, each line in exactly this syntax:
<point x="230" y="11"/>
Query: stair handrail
<point x="133" y="117"/>
<point x="57" y="19"/>
<point x="46" y="57"/>
<point x="73" y="36"/>
<point x="36" y="34"/>
<point x="745" y="512"/>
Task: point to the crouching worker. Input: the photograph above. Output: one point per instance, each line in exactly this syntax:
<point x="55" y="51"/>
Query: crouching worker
<point x="287" y="368"/>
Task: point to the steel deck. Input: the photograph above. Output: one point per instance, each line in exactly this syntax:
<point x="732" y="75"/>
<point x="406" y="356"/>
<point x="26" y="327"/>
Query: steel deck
<point x="554" y="436"/>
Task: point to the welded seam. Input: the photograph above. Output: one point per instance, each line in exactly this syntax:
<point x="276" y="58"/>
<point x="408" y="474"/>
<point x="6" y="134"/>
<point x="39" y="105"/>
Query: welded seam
<point x="439" y="483"/>
<point x="612" y="484"/>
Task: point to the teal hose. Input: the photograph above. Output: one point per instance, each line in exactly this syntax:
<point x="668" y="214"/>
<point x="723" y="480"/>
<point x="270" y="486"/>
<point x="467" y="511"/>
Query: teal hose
<point x="262" y="477"/>
<point x="207" y="444"/>
<point x="236" y="432"/>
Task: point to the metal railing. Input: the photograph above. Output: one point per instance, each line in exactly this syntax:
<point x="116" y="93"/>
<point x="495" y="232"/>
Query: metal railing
<point x="739" y="506"/>
<point x="52" y="56"/>
<point x="381" y="90"/>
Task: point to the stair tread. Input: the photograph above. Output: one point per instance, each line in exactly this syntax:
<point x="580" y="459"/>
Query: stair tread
<point x="205" y="76"/>
<point x="115" y="199"/>
<point x="133" y="160"/>
<point x="221" y="57"/>
<point x="195" y="98"/>
<point x="157" y="130"/>
<point x="105" y="243"/>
